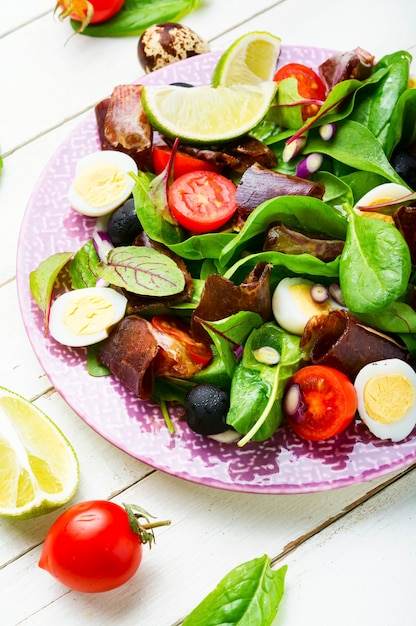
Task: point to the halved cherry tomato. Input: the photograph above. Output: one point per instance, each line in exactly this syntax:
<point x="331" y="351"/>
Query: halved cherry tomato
<point x="183" y="163"/>
<point x="198" y="351"/>
<point x="310" y="86"/>
<point x="202" y="201"/>
<point x="89" y="11"/>
<point x="327" y="402"/>
<point x="94" y="546"/>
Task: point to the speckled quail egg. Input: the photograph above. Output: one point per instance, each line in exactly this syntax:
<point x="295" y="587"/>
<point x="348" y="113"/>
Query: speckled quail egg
<point x="162" y="44"/>
<point x="386" y="395"/>
<point x="83" y="317"/>
<point x="102" y="182"/>
<point x="296" y="300"/>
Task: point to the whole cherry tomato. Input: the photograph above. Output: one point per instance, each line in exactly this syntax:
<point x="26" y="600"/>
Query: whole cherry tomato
<point x="310" y="86"/>
<point x="89" y="11"/>
<point x="183" y="163"/>
<point x="96" y="545"/>
<point x="202" y="201"/>
<point x="319" y="402"/>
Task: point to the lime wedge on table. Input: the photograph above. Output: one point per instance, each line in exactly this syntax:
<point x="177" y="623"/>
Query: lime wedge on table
<point x="38" y="466"/>
<point x="207" y="114"/>
<point x="250" y="60"/>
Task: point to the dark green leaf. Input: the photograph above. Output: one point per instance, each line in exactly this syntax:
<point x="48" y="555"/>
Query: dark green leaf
<point x="298" y="212"/>
<point x="137" y="15"/>
<point x="249" y="595"/>
<point x="375" y="264"/>
<point x="262" y="385"/>
<point x="374" y="106"/>
<point x="206" y="246"/>
<point x="356" y="146"/>
<point x="231" y="332"/>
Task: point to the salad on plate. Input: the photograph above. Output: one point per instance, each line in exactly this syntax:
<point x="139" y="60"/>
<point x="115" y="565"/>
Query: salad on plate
<point x="260" y="281"/>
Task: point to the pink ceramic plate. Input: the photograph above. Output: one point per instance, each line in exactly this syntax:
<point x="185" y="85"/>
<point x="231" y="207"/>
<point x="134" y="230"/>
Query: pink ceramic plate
<point x="282" y="465"/>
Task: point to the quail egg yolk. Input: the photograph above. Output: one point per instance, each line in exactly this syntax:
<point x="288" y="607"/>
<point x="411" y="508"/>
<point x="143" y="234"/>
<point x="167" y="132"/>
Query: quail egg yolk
<point x="387" y="398"/>
<point x="101" y="184"/>
<point x="88" y="315"/>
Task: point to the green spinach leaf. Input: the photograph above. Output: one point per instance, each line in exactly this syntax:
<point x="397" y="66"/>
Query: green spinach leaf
<point x="249" y="595"/>
<point x="374" y="106"/>
<point x="375" y="264"/>
<point x="298" y="212"/>
<point x="261" y="385"/>
<point x="354" y="145"/>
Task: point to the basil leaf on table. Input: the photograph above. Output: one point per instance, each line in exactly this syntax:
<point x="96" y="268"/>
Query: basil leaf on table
<point x="137" y="15"/>
<point x="249" y="595"/>
<point x="375" y="264"/>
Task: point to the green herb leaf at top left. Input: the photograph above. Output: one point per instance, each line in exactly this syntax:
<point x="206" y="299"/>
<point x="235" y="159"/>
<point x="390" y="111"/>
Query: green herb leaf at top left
<point x="42" y="281"/>
<point x="249" y="595"/>
<point x="137" y="15"/>
<point x="142" y="270"/>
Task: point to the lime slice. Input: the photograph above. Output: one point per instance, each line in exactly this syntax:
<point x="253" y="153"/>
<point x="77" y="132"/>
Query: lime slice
<point x="250" y="60"/>
<point x="38" y="467"/>
<point x="207" y="114"/>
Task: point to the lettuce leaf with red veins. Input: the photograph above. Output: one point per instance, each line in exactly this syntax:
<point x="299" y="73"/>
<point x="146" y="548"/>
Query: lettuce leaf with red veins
<point x="142" y="270"/>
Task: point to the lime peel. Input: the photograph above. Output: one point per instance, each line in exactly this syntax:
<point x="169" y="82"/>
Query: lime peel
<point x="39" y="467"/>
<point x="207" y="115"/>
<point x="250" y="60"/>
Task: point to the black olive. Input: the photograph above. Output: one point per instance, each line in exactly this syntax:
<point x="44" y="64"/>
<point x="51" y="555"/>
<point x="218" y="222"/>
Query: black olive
<point x="405" y="166"/>
<point x="181" y="84"/>
<point x="123" y="225"/>
<point x="206" y="408"/>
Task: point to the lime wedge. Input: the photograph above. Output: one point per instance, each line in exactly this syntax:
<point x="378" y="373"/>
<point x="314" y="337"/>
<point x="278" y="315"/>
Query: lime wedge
<point x="207" y="115"/>
<point x="250" y="60"/>
<point x="38" y="465"/>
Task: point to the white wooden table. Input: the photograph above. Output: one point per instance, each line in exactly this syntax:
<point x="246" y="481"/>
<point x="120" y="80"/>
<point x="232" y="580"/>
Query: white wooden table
<point x="351" y="552"/>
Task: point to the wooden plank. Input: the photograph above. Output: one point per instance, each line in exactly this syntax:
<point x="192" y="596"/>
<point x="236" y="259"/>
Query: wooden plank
<point x="211" y="532"/>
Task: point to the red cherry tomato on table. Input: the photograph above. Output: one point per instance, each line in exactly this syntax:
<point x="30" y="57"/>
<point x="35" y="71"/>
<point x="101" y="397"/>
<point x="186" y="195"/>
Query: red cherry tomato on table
<point x="92" y="547"/>
<point x="202" y="201"/>
<point x="183" y="163"/>
<point x="310" y="86"/>
<point x="199" y="352"/>
<point x="327" y="402"/>
<point x="89" y="11"/>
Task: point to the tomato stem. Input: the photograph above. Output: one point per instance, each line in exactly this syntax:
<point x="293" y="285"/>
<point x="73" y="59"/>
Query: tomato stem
<point x="145" y="531"/>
